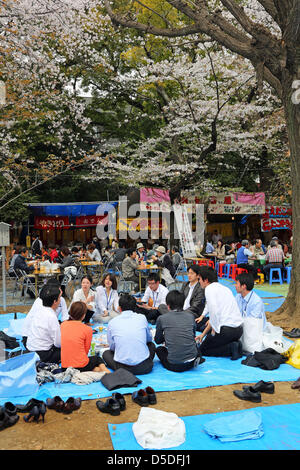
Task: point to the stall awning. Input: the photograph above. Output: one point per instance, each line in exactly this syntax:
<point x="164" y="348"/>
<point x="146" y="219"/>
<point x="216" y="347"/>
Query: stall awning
<point x="70" y="209"/>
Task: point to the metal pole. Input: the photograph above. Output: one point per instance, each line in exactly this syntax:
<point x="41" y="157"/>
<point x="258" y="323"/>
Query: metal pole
<point x="3" y="278"/>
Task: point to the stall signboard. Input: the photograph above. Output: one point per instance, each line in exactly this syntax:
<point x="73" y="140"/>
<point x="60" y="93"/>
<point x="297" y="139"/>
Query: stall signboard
<point x="277" y="218"/>
<point x="155" y="200"/>
<point x="142" y="224"/>
<point x="237" y="203"/>
<point x="91" y="220"/>
<point x="51" y="222"/>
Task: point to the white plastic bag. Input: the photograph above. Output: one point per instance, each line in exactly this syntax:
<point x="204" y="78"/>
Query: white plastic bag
<point x="157" y="429"/>
<point x="252" y="339"/>
<point x="272" y="338"/>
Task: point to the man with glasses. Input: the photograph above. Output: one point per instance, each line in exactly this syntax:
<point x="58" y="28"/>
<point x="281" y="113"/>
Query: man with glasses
<point x="153" y="303"/>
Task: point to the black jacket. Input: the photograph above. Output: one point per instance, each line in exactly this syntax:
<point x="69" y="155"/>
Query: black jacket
<point x="197" y="301"/>
<point x="20" y="264"/>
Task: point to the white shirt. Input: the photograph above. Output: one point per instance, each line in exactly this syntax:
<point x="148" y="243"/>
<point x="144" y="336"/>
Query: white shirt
<point x="188" y="299"/>
<point x="221" y="307"/>
<point x="80" y="297"/>
<point x="44" y="331"/>
<point x="158" y="296"/>
<point x="106" y="302"/>
<point x="62" y="310"/>
<point x="95" y="256"/>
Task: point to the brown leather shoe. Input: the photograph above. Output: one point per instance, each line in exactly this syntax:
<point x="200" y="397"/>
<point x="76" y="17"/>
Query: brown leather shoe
<point x="296" y="384"/>
<point x="55" y="403"/>
<point x="71" y="405"/>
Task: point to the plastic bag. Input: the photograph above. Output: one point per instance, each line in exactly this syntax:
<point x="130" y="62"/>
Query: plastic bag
<point x="272" y="338"/>
<point x="293" y="354"/>
<point x="157" y="429"/>
<point x="252" y="339"/>
<point x="18" y="376"/>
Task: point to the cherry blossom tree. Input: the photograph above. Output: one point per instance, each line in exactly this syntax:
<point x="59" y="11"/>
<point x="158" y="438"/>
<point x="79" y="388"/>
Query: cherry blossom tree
<point x="265" y="32"/>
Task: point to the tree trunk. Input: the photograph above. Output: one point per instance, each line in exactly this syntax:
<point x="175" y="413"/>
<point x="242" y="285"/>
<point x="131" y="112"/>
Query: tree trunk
<point x="291" y="306"/>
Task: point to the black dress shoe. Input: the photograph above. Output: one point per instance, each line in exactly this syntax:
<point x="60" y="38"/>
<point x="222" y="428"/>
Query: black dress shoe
<point x="151" y="395"/>
<point x="10" y="408"/>
<point x="7" y="421"/>
<point x="140" y="397"/>
<point x="111" y="406"/>
<point x="121" y="399"/>
<point x="236" y="350"/>
<point x="248" y="395"/>
<point x="261" y="386"/>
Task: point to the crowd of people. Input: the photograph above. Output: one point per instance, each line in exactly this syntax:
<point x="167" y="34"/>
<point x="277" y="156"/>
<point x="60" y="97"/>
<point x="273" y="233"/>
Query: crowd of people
<point x="246" y="254"/>
<point x="181" y="325"/>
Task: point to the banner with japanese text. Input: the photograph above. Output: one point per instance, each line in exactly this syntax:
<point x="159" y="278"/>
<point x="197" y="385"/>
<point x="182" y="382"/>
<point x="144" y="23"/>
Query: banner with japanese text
<point x="51" y="222"/>
<point x="277" y="218"/>
<point x="237" y="203"/>
<point x="155" y="200"/>
<point x="91" y="220"/>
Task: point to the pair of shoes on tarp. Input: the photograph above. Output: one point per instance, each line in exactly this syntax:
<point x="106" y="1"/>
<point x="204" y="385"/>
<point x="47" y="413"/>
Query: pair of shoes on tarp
<point x="253" y="392"/>
<point x="294" y="333"/>
<point x="8" y="415"/>
<point x="113" y="405"/>
<point x="67" y="407"/>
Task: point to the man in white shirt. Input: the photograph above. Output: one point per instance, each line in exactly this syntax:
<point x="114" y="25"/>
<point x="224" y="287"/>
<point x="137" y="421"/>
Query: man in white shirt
<point x="153" y="303"/>
<point x="61" y="311"/>
<point x="44" y="331"/>
<point x="224" y="327"/>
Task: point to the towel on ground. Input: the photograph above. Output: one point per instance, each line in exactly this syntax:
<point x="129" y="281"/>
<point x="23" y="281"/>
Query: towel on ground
<point x="245" y="425"/>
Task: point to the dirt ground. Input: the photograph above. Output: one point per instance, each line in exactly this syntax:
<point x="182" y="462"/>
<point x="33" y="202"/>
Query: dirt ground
<point x="86" y="428"/>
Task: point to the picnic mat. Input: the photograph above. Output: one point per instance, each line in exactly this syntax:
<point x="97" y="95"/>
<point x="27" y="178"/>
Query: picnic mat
<point x="281" y="431"/>
<point x="213" y="372"/>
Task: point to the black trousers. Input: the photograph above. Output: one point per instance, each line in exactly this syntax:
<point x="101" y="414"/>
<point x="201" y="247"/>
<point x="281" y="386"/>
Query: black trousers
<point x="162" y="354"/>
<point x="53" y="355"/>
<point x="267" y="267"/>
<point x="143" y="367"/>
<point x="219" y="344"/>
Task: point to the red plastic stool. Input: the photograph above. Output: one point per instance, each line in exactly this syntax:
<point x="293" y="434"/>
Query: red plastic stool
<point x="232" y="271"/>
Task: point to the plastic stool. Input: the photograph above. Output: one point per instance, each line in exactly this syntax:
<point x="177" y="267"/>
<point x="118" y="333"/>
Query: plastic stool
<point x="275" y="270"/>
<point x="240" y="271"/>
<point x="232" y="270"/>
<point x="220" y="269"/>
<point x="226" y="270"/>
<point x="287" y="274"/>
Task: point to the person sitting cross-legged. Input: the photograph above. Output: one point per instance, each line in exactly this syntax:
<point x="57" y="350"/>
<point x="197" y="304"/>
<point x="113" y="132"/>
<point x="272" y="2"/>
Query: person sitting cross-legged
<point x="130" y="340"/>
<point x="76" y="338"/>
<point x="43" y="335"/>
<point x="153" y="302"/>
<point x="224" y="327"/>
<point x="177" y="330"/>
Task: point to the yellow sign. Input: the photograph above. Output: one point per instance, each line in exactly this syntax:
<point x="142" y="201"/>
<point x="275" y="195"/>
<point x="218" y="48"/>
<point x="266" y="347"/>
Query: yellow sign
<point x="28" y="241"/>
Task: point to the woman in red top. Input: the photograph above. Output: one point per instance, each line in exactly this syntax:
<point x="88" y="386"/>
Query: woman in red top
<point x="76" y="338"/>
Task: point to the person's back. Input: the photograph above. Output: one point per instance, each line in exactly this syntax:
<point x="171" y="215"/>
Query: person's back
<point x="178" y="328"/>
<point x="130" y="344"/>
<point x="76" y="340"/>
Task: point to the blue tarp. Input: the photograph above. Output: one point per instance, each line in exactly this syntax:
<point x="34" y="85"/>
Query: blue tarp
<point x="215" y="371"/>
<point x="280" y="425"/>
<point x="71" y="209"/>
